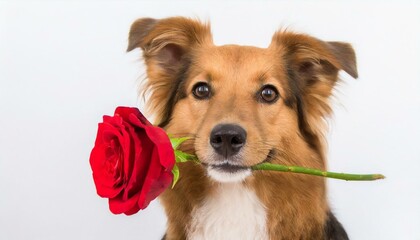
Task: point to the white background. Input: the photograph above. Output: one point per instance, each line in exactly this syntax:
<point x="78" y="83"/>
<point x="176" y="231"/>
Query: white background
<point x="63" y="65"/>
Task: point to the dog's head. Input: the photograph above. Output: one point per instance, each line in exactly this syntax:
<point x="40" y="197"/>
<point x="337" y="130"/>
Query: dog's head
<point x="242" y="105"/>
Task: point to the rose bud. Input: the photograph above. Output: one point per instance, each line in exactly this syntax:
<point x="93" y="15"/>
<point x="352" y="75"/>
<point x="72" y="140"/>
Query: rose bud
<point x="131" y="161"/>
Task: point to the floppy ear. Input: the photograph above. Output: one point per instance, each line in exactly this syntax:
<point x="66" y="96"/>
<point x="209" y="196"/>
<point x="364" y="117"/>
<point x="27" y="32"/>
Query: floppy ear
<point x="312" y="68"/>
<point x="167" y="46"/>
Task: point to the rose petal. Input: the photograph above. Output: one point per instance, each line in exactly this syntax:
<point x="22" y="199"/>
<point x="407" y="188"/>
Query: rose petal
<point x="131" y="161"/>
<point x="115" y="121"/>
<point x="152" y="181"/>
<point x="103" y="182"/>
<point x="164" y="147"/>
<point x="125" y="112"/>
<point x="139" y="122"/>
<point x="105" y="185"/>
<point x="107" y="170"/>
<point x="133" y="210"/>
<point x="157" y="187"/>
<point x="119" y="205"/>
<point x="141" y="165"/>
<point x="135" y="150"/>
<point x="115" y="139"/>
<point x="159" y="137"/>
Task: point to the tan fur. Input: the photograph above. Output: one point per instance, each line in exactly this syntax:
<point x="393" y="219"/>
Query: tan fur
<point x="179" y="52"/>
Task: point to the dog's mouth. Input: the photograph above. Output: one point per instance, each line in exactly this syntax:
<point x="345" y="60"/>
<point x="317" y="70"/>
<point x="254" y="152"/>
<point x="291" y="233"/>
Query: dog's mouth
<point x="227" y="171"/>
<point x="228" y="167"/>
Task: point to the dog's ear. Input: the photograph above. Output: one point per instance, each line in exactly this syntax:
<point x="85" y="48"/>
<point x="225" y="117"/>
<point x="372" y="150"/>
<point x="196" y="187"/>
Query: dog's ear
<point x="167" y="46"/>
<point x="312" y="69"/>
<point x="167" y="39"/>
<point x="314" y="59"/>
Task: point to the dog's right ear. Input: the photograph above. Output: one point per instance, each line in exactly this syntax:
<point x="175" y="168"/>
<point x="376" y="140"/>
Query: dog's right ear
<point x="167" y="46"/>
<point x="167" y="40"/>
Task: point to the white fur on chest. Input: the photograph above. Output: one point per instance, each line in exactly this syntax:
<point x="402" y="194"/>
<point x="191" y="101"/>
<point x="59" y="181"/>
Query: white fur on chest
<point x="233" y="212"/>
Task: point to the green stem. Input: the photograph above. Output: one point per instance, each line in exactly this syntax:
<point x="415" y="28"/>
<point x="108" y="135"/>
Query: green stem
<point x="316" y="172"/>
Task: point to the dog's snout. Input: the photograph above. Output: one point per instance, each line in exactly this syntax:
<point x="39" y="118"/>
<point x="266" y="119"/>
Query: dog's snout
<point x="227" y="139"/>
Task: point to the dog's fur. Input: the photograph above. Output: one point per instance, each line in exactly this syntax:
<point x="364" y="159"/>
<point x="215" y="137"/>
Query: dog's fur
<point x="178" y="53"/>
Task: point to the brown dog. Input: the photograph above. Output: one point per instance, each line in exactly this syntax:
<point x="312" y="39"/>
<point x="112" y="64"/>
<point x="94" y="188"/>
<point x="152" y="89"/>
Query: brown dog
<point x="243" y="105"/>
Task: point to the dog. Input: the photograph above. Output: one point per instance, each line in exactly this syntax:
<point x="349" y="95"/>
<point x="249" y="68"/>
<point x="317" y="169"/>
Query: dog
<point x="242" y="106"/>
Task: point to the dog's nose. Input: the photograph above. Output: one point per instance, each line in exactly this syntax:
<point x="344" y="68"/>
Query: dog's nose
<point x="227" y="139"/>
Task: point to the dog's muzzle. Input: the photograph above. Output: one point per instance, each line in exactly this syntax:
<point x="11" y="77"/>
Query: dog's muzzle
<point x="227" y="140"/>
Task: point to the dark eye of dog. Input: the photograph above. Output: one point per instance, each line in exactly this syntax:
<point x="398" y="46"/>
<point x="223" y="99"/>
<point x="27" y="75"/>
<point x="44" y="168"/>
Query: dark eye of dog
<point x="269" y="94"/>
<point x="201" y="90"/>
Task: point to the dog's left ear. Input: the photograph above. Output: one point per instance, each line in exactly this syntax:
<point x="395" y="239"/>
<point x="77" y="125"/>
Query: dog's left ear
<point x="313" y="58"/>
<point x="312" y="67"/>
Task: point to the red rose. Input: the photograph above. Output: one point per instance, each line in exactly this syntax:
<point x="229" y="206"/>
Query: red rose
<point x="131" y="161"/>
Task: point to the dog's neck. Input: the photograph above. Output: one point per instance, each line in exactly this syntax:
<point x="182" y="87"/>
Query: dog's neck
<point x="232" y="211"/>
<point x="285" y="207"/>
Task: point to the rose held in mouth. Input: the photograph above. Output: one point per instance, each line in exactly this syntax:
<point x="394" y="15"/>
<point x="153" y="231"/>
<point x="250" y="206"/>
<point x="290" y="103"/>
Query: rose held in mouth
<point x="132" y="161"/>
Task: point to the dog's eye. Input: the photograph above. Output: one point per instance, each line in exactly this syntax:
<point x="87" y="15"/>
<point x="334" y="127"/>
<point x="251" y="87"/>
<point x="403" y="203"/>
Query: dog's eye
<point x="269" y="94"/>
<point x="201" y="90"/>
